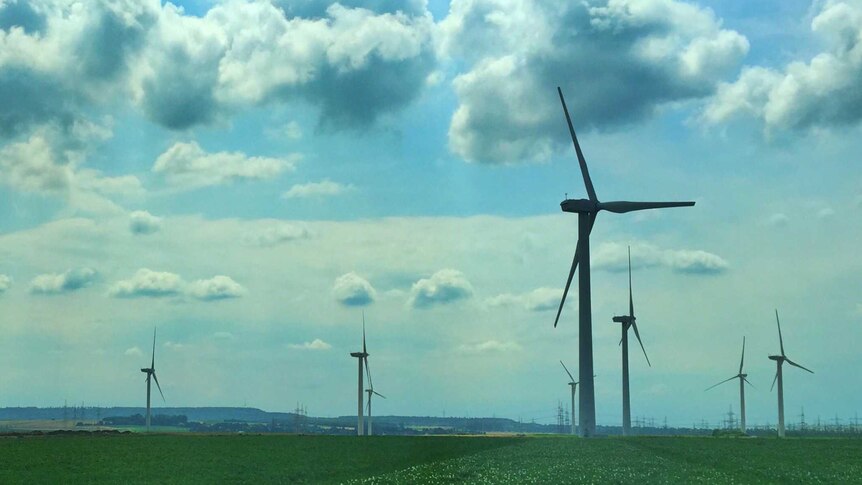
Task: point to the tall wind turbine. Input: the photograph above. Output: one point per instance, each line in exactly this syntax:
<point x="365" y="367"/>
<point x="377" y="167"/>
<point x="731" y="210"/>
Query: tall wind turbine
<point x="361" y="358"/>
<point x="628" y="321"/>
<point x="743" y="379"/>
<point x="779" y="361"/>
<point x="587" y="210"/>
<point x="151" y="374"/>
<point x="574" y="386"/>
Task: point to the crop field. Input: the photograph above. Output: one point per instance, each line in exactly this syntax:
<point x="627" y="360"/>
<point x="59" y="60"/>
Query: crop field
<point x="190" y="458"/>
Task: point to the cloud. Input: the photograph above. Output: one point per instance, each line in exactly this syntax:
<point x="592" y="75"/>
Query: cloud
<point x="489" y="346"/>
<point x="133" y="352"/>
<point x="617" y="61"/>
<point x="538" y="300"/>
<point x="188" y="165"/>
<point x="148" y="283"/>
<point x="315" y="189"/>
<point x="223" y="336"/>
<point x="290" y="130"/>
<point x="443" y="287"/>
<point x="142" y="222"/>
<point x="216" y="288"/>
<point x="277" y="234"/>
<point x="614" y="257"/>
<point x="353" y="290"/>
<point x="5" y="283"/>
<point x="71" y="280"/>
<point x="824" y="92"/>
<point x="778" y="219"/>
<point x="825" y="213"/>
<point x="315" y="344"/>
<point x="156" y="284"/>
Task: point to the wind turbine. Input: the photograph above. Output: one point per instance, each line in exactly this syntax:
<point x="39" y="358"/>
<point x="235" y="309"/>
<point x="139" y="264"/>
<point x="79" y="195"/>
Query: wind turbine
<point x="628" y="321"/>
<point x="151" y="373"/>
<point x="743" y="379"/>
<point x="779" y="361"/>
<point x="587" y="210"/>
<point x="361" y="358"/>
<point x="574" y="386"/>
<point x="370" y="391"/>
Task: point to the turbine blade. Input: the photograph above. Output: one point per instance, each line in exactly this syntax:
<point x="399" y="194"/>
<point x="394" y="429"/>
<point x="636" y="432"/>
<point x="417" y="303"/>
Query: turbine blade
<point x="631" y="300"/>
<point x="158" y="386"/>
<point x="638" y="335"/>
<point x="153" y="362"/>
<point x="720" y="383"/>
<point x="621" y="206"/>
<point x="780" y="340"/>
<point x="572" y="271"/>
<point x="588" y="183"/>
<point x="750" y="384"/>
<point x="567" y="371"/>
<point x="794" y="364"/>
<point x="375" y="392"/>
<point x="743" y="355"/>
<point x="368" y="373"/>
<point x="773" y="382"/>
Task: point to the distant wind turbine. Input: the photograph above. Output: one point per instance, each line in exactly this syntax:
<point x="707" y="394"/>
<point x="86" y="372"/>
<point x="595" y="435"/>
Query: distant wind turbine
<point x="628" y="321"/>
<point x="370" y="391"/>
<point x="361" y="357"/>
<point x="743" y="379"/>
<point x="779" y="361"/>
<point x="151" y="374"/>
<point x="587" y="210"/>
<point x="574" y="386"/>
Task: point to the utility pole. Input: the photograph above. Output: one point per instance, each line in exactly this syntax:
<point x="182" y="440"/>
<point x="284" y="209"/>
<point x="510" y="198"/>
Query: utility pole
<point x="802" y="420"/>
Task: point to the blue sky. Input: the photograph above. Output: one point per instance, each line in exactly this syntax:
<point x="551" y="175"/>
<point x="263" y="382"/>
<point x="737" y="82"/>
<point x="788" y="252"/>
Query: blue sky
<point x="251" y="176"/>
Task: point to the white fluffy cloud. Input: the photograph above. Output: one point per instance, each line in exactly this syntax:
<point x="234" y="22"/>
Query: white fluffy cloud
<point x="188" y="165"/>
<point x="216" y="288"/>
<point x="133" y="352"/>
<point x="353" y="290"/>
<point x="538" y="300"/>
<point x="5" y="283"/>
<point x="315" y="189"/>
<point x="142" y="222"/>
<point x="315" y="344"/>
<point x="823" y="92"/>
<point x="159" y="284"/>
<point x="614" y="257"/>
<point x="616" y="60"/>
<point x="489" y="346"/>
<point x="443" y="287"/>
<point x="148" y="283"/>
<point x="70" y="280"/>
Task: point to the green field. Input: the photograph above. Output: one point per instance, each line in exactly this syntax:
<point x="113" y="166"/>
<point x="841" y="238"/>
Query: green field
<point x="331" y="459"/>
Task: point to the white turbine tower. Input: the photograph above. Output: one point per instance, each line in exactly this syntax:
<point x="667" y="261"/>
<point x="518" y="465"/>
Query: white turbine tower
<point x="779" y="361"/>
<point x="361" y="358"/>
<point x="574" y="386"/>
<point x="743" y="379"/>
<point x="151" y="374"/>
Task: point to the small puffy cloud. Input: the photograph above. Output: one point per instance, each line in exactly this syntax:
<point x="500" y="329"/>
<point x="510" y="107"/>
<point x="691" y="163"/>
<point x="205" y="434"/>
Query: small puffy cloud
<point x="277" y="234"/>
<point x="614" y="257"/>
<point x="443" y="287"/>
<point x="823" y="92"/>
<point x="315" y="189"/>
<point x="315" y="344"/>
<point x="175" y="346"/>
<point x="148" y="283"/>
<point x="778" y="219"/>
<point x="5" y="283"/>
<point x="641" y="55"/>
<point x="134" y="352"/>
<point x="71" y="280"/>
<point x="33" y="166"/>
<point x="216" y="288"/>
<point x="142" y="222"/>
<point x="291" y="130"/>
<point x="538" y="300"/>
<point x="353" y="290"/>
<point x="187" y="165"/>
<point x="489" y="346"/>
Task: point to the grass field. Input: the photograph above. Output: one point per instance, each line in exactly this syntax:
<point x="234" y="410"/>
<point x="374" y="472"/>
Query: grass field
<point x="332" y="459"/>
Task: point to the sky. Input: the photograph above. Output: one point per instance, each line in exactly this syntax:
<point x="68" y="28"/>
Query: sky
<point x="250" y="177"/>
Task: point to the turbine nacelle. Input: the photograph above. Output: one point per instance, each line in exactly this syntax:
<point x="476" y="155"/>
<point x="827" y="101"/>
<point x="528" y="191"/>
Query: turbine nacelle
<point x="579" y="205"/>
<point x="625" y="319"/>
<point x="359" y="354"/>
<point x="780" y="358"/>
